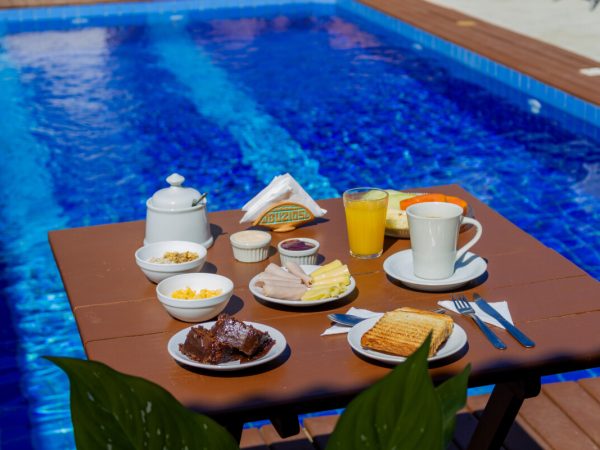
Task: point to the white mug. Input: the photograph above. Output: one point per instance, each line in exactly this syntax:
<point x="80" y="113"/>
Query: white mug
<point x="433" y="228"/>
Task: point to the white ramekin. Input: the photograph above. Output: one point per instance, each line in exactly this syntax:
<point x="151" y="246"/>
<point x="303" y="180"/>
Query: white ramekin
<point x="299" y="256"/>
<point x="254" y="250"/>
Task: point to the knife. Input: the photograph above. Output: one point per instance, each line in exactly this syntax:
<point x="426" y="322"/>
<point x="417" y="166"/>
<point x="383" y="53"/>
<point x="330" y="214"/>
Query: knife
<point x="516" y="333"/>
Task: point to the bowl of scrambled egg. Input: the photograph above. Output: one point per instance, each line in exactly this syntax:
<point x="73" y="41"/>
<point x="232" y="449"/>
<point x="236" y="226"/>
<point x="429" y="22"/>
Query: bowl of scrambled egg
<point x="195" y="297"/>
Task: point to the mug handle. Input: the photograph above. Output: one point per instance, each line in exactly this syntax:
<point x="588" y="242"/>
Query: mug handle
<point x="467" y="220"/>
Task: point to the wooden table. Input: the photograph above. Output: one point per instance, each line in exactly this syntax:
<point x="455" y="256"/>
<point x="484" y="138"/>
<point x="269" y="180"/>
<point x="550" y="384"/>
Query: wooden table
<point x="123" y="325"/>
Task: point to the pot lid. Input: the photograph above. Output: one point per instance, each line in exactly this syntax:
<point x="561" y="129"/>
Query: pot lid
<point x="176" y="196"/>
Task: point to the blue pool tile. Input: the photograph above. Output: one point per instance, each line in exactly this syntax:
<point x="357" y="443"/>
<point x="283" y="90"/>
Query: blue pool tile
<point x="572" y="376"/>
<point x="444" y="123"/>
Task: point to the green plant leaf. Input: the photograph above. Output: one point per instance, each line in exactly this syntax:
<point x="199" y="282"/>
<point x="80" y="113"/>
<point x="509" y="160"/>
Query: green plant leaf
<point x="401" y="411"/>
<point x="453" y="396"/>
<point x="111" y="410"/>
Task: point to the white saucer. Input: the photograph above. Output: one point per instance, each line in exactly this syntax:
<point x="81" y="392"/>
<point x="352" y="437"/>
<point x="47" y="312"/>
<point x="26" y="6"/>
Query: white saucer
<point x="400" y="267"/>
<point x="456" y="341"/>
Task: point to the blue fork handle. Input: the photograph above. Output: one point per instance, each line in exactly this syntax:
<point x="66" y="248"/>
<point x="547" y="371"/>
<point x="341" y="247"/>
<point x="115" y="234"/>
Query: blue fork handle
<point x="495" y="340"/>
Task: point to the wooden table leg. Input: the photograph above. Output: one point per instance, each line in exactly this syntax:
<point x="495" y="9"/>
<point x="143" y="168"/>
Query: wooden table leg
<point x="234" y="427"/>
<point x="500" y="413"/>
<point x="286" y="424"/>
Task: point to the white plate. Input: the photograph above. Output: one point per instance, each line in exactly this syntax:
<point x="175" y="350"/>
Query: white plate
<point x="308" y="269"/>
<point x="274" y="352"/>
<point x="400" y="267"/>
<point x="456" y="341"/>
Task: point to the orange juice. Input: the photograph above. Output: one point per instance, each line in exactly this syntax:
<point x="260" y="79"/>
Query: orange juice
<point x="365" y="217"/>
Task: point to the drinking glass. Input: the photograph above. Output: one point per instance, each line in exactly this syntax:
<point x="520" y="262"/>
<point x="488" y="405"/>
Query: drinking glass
<point x="366" y="209"/>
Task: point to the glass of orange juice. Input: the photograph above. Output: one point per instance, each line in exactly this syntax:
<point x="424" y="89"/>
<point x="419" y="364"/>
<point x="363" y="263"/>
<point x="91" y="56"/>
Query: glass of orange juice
<point x="365" y="217"/>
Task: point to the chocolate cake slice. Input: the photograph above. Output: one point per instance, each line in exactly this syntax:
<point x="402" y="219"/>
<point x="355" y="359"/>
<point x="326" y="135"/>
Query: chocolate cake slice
<point x="202" y="345"/>
<point x="227" y="340"/>
<point x="244" y="338"/>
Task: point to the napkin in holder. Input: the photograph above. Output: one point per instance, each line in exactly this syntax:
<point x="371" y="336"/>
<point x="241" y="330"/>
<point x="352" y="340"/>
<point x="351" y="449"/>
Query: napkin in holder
<point x="282" y="205"/>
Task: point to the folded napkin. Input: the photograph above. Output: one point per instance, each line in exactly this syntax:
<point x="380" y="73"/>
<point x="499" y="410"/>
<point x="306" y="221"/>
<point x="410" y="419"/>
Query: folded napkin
<point x="501" y="307"/>
<point x="340" y="329"/>
<point x="281" y="188"/>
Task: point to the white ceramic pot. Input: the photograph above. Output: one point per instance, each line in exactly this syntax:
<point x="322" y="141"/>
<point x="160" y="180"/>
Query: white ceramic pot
<point x="173" y="215"/>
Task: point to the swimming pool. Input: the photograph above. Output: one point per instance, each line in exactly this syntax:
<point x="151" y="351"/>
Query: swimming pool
<point x="96" y="111"/>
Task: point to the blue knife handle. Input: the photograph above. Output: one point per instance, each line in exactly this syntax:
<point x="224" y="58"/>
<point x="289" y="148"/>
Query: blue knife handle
<point x="495" y="340"/>
<point x="516" y="333"/>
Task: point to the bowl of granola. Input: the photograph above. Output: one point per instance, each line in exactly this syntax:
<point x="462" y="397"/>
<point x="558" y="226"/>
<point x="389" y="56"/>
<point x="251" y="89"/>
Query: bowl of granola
<point x="165" y="259"/>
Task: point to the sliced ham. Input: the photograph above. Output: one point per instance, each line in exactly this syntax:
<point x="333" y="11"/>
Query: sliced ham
<point x="284" y="291"/>
<point x="264" y="276"/>
<point x="278" y="271"/>
<point x="295" y="269"/>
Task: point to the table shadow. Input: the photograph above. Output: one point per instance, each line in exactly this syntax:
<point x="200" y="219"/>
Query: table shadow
<point x="432" y="364"/>
<point x="242" y="372"/>
<point x="216" y="231"/>
<point x="468" y="285"/>
<point x="234" y="305"/>
<point x="209" y="268"/>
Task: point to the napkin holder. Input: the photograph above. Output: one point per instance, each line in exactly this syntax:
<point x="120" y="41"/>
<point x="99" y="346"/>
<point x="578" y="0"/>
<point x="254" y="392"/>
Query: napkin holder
<point x="284" y="216"/>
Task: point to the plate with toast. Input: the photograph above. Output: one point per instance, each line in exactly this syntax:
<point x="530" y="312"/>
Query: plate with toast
<point x="397" y="334"/>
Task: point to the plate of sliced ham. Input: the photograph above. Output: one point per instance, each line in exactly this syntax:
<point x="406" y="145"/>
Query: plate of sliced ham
<point x="294" y="286"/>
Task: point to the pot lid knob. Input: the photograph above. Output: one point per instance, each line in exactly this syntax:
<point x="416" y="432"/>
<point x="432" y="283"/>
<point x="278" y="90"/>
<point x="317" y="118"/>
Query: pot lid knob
<point x="176" y="196"/>
<point x="175" y="179"/>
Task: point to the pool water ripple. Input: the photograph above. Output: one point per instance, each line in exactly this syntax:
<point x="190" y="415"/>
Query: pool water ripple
<point x="94" y="117"/>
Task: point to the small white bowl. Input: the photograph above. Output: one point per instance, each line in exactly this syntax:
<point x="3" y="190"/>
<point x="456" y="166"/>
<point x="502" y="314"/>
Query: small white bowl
<point x="307" y="257"/>
<point x="157" y="272"/>
<point x="195" y="310"/>
<point x="250" y="245"/>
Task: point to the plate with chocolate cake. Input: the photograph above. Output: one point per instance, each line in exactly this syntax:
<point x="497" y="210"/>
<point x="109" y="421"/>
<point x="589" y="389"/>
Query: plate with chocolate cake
<point x="226" y="344"/>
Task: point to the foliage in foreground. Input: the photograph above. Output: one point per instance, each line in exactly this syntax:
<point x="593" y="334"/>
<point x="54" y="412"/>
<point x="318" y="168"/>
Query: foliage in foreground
<point x="402" y="411"/>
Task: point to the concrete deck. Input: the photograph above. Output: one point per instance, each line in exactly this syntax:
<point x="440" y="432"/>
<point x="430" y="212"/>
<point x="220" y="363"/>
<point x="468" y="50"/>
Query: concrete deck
<point x="569" y="24"/>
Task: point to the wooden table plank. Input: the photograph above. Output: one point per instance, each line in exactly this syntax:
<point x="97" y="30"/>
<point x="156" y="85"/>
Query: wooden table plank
<point x="542" y="414"/>
<point x="578" y="405"/>
<point x="319" y="428"/>
<point x="252" y="440"/>
<point x="592" y="387"/>
<point x="275" y="442"/>
<point x="521" y="435"/>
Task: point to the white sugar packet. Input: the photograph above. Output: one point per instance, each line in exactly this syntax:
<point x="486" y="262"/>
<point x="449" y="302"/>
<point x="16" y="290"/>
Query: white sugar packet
<point x="501" y="307"/>
<point x="281" y="188"/>
<point x="340" y="329"/>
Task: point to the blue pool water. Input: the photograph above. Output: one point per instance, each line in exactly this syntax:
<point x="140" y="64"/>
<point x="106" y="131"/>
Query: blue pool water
<point x="93" y="116"/>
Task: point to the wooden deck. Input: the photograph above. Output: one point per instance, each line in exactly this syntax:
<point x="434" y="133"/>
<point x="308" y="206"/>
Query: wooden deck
<point x="564" y="416"/>
<point x="544" y="62"/>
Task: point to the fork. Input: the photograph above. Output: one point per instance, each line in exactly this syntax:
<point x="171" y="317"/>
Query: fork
<point x="465" y="308"/>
